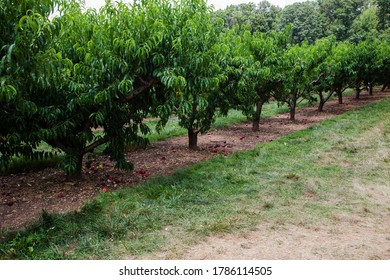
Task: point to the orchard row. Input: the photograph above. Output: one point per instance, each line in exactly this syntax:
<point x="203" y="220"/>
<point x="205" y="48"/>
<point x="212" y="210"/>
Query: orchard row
<point x="62" y="78"/>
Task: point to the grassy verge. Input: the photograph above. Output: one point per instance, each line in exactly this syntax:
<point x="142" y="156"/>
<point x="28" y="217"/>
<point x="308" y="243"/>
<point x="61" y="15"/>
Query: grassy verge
<point x="303" y="178"/>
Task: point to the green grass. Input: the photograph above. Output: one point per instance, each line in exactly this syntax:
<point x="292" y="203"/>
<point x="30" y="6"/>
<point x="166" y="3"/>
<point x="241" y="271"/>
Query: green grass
<point x="302" y="178"/>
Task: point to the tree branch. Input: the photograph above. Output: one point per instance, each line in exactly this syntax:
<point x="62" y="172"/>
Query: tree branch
<point x="139" y="90"/>
<point x="315" y="82"/>
<point x="94" y="145"/>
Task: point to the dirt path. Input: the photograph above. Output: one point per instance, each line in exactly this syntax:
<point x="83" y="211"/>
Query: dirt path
<point x="24" y="196"/>
<point x="360" y="234"/>
<point x="348" y="238"/>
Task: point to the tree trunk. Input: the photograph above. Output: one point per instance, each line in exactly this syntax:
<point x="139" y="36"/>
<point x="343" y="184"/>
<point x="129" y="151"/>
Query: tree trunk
<point x="322" y="102"/>
<point x="370" y="88"/>
<point x="340" y="97"/>
<point x="78" y="170"/>
<point x="358" y="93"/>
<point x="192" y="139"/>
<point x="256" y="117"/>
<point x="79" y="167"/>
<point x="293" y="106"/>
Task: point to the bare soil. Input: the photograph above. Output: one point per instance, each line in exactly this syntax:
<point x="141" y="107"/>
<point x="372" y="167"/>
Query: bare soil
<point x="352" y="237"/>
<point x="24" y="196"/>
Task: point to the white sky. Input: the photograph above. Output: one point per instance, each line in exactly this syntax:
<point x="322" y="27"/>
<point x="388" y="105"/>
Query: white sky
<point x="218" y="4"/>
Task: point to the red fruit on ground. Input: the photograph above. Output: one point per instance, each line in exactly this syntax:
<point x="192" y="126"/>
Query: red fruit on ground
<point x="104" y="189"/>
<point x="163" y="158"/>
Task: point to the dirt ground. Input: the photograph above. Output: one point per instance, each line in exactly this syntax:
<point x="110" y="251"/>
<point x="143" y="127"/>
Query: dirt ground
<point x="24" y="196"/>
<point x="351" y="237"/>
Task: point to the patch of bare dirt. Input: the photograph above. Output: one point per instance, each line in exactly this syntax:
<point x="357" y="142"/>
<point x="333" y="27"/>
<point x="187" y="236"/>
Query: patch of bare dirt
<point x="24" y="196"/>
<point x="364" y="238"/>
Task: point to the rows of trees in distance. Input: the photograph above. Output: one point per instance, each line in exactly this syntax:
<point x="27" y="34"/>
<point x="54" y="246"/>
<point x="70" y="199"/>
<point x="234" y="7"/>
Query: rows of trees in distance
<point x="64" y="77"/>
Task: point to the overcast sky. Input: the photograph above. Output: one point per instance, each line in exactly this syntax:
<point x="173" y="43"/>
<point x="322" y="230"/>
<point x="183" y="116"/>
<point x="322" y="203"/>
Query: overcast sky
<point x="218" y="4"/>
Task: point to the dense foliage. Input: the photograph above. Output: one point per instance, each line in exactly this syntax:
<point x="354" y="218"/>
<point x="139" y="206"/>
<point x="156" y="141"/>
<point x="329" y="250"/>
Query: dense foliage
<point x="29" y="69"/>
<point x="79" y="79"/>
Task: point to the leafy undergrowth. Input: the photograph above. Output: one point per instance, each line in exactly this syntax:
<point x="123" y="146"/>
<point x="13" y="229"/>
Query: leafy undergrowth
<point x="293" y="179"/>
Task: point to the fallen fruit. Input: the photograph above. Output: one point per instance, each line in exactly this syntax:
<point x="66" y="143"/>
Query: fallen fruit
<point x="104" y="189"/>
<point x="163" y="158"/>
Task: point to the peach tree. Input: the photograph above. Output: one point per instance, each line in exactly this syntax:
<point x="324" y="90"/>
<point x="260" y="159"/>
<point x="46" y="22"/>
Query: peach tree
<point x="260" y="77"/>
<point x="84" y="78"/>
<point x="117" y="78"/>
<point x="198" y="57"/>
<point x="29" y="68"/>
<point x="295" y="66"/>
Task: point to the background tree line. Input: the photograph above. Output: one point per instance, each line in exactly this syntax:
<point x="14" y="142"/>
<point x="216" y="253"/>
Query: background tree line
<point x="353" y="20"/>
<point x="88" y="78"/>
